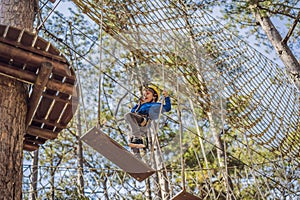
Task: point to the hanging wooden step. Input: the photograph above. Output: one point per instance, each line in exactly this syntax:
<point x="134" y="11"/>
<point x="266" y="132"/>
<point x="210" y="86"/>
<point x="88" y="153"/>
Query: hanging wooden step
<point x="117" y="154"/>
<point x="184" y="195"/>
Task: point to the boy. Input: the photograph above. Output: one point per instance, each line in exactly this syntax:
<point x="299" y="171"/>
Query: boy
<point x="147" y="109"/>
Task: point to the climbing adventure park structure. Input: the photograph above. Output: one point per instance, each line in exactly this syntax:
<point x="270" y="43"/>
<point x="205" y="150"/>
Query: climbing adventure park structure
<point x="53" y="94"/>
<point x="232" y="132"/>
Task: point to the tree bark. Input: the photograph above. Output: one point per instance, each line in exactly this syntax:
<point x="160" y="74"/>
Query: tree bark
<point x="281" y="47"/>
<point x="12" y="126"/>
<point x="13" y="107"/>
<point x="148" y="189"/>
<point x="80" y="172"/>
<point x="34" y="176"/>
<point x="18" y="13"/>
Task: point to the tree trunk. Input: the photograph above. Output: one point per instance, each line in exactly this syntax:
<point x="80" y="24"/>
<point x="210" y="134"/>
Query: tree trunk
<point x="34" y="176"/>
<point x="52" y="183"/>
<point x="284" y="52"/>
<point x="18" y="13"/>
<point x="80" y="180"/>
<point x="105" y="188"/>
<point x="148" y="189"/>
<point x="13" y="107"/>
<point x="12" y="125"/>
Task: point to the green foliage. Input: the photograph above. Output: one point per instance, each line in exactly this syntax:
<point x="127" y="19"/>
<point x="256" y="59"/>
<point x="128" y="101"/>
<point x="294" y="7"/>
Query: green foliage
<point x="237" y="16"/>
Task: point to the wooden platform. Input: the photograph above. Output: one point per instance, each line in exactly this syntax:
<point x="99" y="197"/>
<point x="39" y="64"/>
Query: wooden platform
<point x="53" y="97"/>
<point x="183" y="195"/>
<point x="117" y="154"/>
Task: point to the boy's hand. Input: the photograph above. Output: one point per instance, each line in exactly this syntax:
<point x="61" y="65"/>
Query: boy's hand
<point x="142" y="99"/>
<point x="165" y="93"/>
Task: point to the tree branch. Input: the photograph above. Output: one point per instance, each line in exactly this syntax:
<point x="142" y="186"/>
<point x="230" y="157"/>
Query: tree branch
<point x="279" y="12"/>
<point x="288" y="35"/>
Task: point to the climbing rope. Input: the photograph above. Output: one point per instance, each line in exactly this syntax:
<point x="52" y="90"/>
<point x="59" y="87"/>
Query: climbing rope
<point x="180" y="139"/>
<point x="46" y="18"/>
<point x="77" y="71"/>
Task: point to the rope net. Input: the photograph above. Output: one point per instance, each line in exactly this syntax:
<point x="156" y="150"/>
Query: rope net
<point x="258" y="97"/>
<point x="239" y="110"/>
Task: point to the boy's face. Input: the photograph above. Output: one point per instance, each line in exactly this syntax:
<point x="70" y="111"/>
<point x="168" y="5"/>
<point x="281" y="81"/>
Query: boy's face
<point x="148" y="96"/>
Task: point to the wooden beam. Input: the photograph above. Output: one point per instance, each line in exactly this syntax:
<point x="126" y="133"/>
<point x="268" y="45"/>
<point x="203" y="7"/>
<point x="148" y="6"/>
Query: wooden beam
<point x="29" y="77"/>
<point x="21" y="56"/>
<point x="38" y="88"/>
<point x="34" y="140"/>
<point x="36" y="50"/>
<point x="30" y="147"/>
<point x="17" y="73"/>
<point x="42" y="133"/>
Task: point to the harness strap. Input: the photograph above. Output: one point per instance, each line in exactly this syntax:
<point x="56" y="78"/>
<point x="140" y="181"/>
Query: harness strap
<point x="142" y="120"/>
<point x="145" y="121"/>
<point x="138" y="107"/>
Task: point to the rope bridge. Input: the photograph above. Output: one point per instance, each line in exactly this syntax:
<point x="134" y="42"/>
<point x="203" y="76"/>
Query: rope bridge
<point x="258" y="97"/>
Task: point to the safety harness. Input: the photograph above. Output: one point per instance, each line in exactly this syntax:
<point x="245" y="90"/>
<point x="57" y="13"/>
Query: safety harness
<point x="142" y="120"/>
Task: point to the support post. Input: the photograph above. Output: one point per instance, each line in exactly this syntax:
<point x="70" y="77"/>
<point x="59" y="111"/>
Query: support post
<point x="38" y="88"/>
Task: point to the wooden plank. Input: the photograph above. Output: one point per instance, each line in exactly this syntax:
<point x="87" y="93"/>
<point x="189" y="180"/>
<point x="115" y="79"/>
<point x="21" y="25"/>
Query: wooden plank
<point x="30" y="146"/>
<point x="117" y="154"/>
<point x="183" y="195"/>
